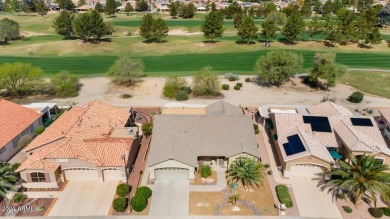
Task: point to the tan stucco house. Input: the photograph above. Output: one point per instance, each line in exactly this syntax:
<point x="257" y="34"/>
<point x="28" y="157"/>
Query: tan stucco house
<point x="89" y="142"/>
<point x="16" y="121"/>
<point x="309" y="145"/>
<point x="181" y="142"/>
<point x="384" y="121"/>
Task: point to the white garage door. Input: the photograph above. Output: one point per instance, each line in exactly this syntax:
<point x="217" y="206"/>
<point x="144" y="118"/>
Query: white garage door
<point x="175" y="174"/>
<point x="306" y="170"/>
<point x="81" y="174"/>
<point x="112" y="175"/>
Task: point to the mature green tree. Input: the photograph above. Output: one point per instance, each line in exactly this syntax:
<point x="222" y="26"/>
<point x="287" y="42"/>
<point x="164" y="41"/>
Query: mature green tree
<point x="19" y="79"/>
<point x="317" y="6"/>
<point x="213" y="6"/>
<point x="269" y="29"/>
<point x="66" y="4"/>
<point x="232" y="9"/>
<point x="260" y="11"/>
<point x="110" y="8"/>
<point x="325" y="67"/>
<point x="88" y="25"/>
<point x="373" y="37"/>
<point x="26" y="8"/>
<point x="336" y="6"/>
<point x="99" y="7"/>
<point x="279" y="18"/>
<point x="81" y="3"/>
<point x="126" y="71"/>
<point x="15" y="6"/>
<point x="142" y="5"/>
<point x="314" y="27"/>
<point x="278" y="66"/>
<point x="247" y="171"/>
<point x="8" y="179"/>
<point x="294" y="27"/>
<point x="327" y="8"/>
<point x="173" y="10"/>
<point x="361" y="176"/>
<point x="172" y="85"/>
<point x="7" y="6"/>
<point x="290" y="9"/>
<point x="212" y="26"/>
<point x="128" y="8"/>
<point x="363" y="5"/>
<point x="368" y="29"/>
<point x="347" y="26"/>
<point x="41" y="8"/>
<point x="62" y="24"/>
<point x="251" y="11"/>
<point x="206" y="83"/>
<point x="305" y="10"/>
<point x="9" y="30"/>
<point x="145" y="28"/>
<point x="187" y="11"/>
<point x="65" y="84"/>
<point x="248" y="29"/>
<point x="270" y="7"/>
<point x="237" y="19"/>
<point x="159" y="29"/>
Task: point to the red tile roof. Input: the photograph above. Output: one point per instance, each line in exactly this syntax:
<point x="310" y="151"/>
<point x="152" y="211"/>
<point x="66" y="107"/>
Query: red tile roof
<point x="14" y="119"/>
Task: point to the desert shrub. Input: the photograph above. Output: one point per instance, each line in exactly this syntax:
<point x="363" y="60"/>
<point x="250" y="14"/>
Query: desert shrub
<point x="126" y="96"/>
<point x="147" y="128"/>
<point x="225" y="87"/>
<point x="356" y="97"/>
<point x="206" y="83"/>
<point x="144" y="191"/>
<point x="187" y="89"/>
<point x="231" y="77"/>
<point x="284" y="195"/>
<point x="341" y="196"/>
<point x="269" y="172"/>
<point x="257" y="132"/>
<point x="205" y="170"/>
<point x="347" y="209"/>
<point x="327" y="98"/>
<point x="138" y="203"/>
<point x="181" y="95"/>
<point x="266" y="166"/>
<point x="39" y="130"/>
<point x="386" y="211"/>
<point x="237" y="87"/>
<point x="247" y="80"/>
<point x="122" y="190"/>
<point x="65" y="84"/>
<point x="376" y="212"/>
<point x="255" y="127"/>
<point x="24" y="141"/>
<point x="19" y="197"/>
<point x="172" y="86"/>
<point x="120" y="204"/>
<point x="239" y="84"/>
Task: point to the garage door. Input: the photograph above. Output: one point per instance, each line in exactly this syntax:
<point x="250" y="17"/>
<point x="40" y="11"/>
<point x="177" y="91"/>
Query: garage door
<point x="112" y="175"/>
<point x="306" y="170"/>
<point x="81" y="174"/>
<point x="175" y="174"/>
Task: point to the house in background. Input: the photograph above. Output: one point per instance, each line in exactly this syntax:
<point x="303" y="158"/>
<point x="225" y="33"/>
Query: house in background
<point x="91" y="142"/>
<point x="48" y="110"/>
<point x="16" y="121"/>
<point x="384" y="121"/>
<point x="181" y="142"/>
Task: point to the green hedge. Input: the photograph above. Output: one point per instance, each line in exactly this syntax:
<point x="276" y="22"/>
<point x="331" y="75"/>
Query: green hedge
<point x="120" y="204"/>
<point x="205" y="170"/>
<point x="386" y="211"/>
<point x="356" y="97"/>
<point x="376" y="212"/>
<point x="138" y="203"/>
<point x="225" y="87"/>
<point x="122" y="190"/>
<point x="39" y="130"/>
<point x="144" y="191"/>
<point x="237" y="87"/>
<point x="284" y="195"/>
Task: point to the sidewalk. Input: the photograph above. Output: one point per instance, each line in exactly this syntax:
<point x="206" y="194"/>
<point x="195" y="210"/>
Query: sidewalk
<point x="221" y="184"/>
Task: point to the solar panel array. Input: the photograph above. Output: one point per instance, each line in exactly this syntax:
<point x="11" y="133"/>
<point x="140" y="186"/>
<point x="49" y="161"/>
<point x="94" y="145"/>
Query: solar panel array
<point x="318" y="123"/>
<point x="361" y="122"/>
<point x="294" y="145"/>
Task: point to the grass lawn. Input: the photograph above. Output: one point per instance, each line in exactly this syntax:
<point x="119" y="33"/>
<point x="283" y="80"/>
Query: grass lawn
<point x="377" y="83"/>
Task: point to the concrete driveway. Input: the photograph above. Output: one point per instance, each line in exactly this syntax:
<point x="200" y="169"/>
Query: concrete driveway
<point x="85" y="198"/>
<point x="311" y="201"/>
<point x="170" y="198"/>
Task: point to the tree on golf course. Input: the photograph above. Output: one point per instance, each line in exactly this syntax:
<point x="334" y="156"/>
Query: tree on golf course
<point x="126" y="71"/>
<point x="90" y="25"/>
<point x="247" y="30"/>
<point x="278" y="66"/>
<point x="159" y="29"/>
<point x="145" y="27"/>
<point x="268" y="29"/>
<point x="294" y="27"/>
<point x="62" y="24"/>
<point x="110" y="8"/>
<point x="9" y="30"/>
<point x="212" y="26"/>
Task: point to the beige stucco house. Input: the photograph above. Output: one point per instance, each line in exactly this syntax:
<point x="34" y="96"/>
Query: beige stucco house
<point x="16" y="121"/>
<point x="309" y="145"/>
<point x="91" y="142"/>
<point x="384" y="121"/>
<point x="181" y="142"/>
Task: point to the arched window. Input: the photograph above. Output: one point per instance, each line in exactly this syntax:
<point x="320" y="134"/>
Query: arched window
<point x="38" y="177"/>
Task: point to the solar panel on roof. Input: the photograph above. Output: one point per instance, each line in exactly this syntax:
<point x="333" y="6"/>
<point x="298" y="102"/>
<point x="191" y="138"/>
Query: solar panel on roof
<point x="294" y="145"/>
<point x="361" y="122"/>
<point x="318" y="123"/>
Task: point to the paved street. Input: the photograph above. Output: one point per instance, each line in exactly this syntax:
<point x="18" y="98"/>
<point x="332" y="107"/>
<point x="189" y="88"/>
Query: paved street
<point x="85" y="198"/>
<point x="311" y="201"/>
<point x="170" y="198"/>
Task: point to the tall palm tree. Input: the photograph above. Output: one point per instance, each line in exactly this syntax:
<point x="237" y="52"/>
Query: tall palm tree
<point x="247" y="171"/>
<point x="7" y="179"/>
<point x="362" y="176"/>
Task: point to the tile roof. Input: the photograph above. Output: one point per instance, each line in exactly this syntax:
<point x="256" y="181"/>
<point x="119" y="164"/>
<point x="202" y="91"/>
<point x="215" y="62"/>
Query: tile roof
<point x="85" y="135"/>
<point x="223" y="108"/>
<point x="329" y="109"/>
<point x="385" y="112"/>
<point x="14" y="119"/>
<point x="186" y="137"/>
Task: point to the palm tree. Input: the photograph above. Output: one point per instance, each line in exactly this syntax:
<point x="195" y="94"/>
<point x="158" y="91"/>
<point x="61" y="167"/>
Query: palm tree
<point x="7" y="179"/>
<point x="247" y="171"/>
<point x="360" y="176"/>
